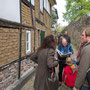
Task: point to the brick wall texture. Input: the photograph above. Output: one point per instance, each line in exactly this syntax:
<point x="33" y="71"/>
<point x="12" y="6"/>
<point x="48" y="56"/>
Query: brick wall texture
<point x="9" y="42"/>
<point x="9" y="38"/>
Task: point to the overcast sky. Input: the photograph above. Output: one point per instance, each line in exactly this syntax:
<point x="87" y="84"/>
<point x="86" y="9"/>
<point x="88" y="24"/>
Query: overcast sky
<point x="61" y="9"/>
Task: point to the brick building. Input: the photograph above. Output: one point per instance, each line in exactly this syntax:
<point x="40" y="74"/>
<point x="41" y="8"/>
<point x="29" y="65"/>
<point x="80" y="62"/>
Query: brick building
<point x="23" y="25"/>
<point x="35" y="14"/>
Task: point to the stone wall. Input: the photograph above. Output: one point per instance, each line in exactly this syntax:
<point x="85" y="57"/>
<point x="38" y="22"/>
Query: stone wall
<point x="75" y="29"/>
<point x="10" y="74"/>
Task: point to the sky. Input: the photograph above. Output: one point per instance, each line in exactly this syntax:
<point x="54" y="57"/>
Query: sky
<point x="61" y="9"/>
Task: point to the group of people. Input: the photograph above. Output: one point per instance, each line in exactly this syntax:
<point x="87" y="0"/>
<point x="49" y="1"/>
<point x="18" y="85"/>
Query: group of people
<point x="69" y="74"/>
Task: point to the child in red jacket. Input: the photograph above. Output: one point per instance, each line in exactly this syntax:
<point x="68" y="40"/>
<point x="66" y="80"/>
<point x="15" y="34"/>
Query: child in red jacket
<point x="69" y="74"/>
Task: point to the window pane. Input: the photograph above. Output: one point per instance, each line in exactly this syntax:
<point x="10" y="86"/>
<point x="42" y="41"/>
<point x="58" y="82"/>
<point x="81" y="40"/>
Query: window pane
<point x="28" y="0"/>
<point x="48" y="7"/>
<point x="45" y="4"/>
<point x="27" y="39"/>
<point x="27" y="46"/>
<point x="41" y="5"/>
<point x="32" y="2"/>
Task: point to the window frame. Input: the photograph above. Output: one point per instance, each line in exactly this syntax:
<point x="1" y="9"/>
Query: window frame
<point x="28" y="42"/>
<point x="47" y="6"/>
<point x="41" y="5"/>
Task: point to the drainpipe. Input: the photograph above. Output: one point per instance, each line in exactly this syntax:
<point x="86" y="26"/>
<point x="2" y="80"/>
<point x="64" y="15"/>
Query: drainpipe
<point x="20" y="42"/>
<point x="32" y="23"/>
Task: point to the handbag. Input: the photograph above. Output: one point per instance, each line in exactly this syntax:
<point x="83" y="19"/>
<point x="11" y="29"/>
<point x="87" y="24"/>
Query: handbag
<point x="88" y="76"/>
<point x="53" y="82"/>
<point x="63" y="87"/>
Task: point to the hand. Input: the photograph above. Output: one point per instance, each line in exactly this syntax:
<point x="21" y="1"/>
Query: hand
<point x="55" y="58"/>
<point x="74" y="88"/>
<point x="70" y="52"/>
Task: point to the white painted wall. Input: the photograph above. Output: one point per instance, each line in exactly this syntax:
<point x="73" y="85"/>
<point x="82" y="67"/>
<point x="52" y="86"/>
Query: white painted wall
<point x="10" y="10"/>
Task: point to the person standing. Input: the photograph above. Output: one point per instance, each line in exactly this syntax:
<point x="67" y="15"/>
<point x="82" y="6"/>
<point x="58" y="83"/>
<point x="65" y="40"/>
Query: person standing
<point x="64" y="48"/>
<point x="69" y="74"/>
<point x="46" y="60"/>
<point x="60" y="36"/>
<point x="81" y="81"/>
<point x="67" y="37"/>
<point x="83" y="41"/>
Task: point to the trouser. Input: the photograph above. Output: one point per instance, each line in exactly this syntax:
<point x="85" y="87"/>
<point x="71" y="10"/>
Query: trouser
<point x="84" y="88"/>
<point x="61" y="66"/>
<point x="69" y="88"/>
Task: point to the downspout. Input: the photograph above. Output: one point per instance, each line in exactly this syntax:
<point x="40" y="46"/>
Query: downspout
<point x="20" y="42"/>
<point x="32" y="23"/>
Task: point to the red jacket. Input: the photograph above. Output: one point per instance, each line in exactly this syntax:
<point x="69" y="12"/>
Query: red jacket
<point x="69" y="77"/>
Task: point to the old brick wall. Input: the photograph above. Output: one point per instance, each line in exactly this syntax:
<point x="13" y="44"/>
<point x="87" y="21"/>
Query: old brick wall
<point x="10" y="74"/>
<point x="75" y="29"/>
<point x="9" y="45"/>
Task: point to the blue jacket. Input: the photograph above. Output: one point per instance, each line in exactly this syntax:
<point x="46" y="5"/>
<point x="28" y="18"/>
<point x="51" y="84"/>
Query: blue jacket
<point x="64" y="50"/>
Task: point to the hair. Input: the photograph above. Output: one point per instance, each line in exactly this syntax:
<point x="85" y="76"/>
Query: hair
<point x="48" y="42"/>
<point x="87" y="31"/>
<point x="69" y="61"/>
<point x="69" y="58"/>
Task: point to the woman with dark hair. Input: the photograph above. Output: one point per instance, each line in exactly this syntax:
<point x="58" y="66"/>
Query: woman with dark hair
<point x="46" y="60"/>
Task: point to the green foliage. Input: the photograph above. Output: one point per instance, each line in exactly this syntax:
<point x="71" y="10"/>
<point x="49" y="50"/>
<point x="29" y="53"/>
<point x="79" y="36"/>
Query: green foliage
<point x="76" y="9"/>
<point x="53" y="19"/>
<point x="58" y="29"/>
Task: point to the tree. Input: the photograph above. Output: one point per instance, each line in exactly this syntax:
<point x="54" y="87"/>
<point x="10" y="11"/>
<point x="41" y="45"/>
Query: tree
<point x="75" y="9"/>
<point x="58" y="28"/>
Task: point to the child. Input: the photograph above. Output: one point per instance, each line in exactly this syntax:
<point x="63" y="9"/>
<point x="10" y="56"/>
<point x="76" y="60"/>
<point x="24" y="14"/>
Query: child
<point x="69" y="74"/>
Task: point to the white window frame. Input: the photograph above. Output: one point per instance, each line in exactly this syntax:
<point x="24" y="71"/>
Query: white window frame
<point x="47" y="5"/>
<point x="28" y="42"/>
<point x="41" y="5"/>
<point x="33" y="2"/>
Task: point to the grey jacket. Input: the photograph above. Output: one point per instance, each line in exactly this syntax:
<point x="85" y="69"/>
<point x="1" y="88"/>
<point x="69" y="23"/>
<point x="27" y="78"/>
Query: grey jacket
<point x="83" y="67"/>
<point x="45" y="60"/>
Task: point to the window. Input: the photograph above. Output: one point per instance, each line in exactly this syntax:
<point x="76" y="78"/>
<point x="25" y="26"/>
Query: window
<point x="32" y="2"/>
<point x="41" y="5"/>
<point x="47" y="5"/>
<point x="28" y="42"/>
<point x="28" y="0"/>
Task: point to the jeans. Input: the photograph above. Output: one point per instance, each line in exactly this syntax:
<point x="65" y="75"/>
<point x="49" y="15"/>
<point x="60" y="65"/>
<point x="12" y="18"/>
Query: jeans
<point x="84" y="88"/>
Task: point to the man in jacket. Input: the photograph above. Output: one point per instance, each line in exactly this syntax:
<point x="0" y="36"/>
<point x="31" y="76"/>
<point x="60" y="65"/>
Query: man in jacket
<point x="64" y="48"/>
<point x="67" y="37"/>
<point x="81" y="81"/>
